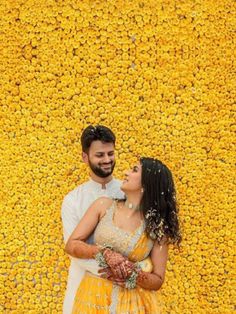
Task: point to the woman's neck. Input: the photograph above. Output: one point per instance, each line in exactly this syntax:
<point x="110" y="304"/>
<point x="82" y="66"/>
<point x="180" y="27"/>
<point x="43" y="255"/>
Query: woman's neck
<point x="133" y="200"/>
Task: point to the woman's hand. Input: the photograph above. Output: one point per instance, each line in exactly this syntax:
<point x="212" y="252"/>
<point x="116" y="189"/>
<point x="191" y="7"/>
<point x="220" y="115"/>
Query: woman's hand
<point x="120" y="269"/>
<point x="126" y="268"/>
<point x="108" y="274"/>
<point x="120" y="266"/>
<point x="113" y="258"/>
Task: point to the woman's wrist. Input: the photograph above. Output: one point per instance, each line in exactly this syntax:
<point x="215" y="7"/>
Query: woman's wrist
<point x="95" y="250"/>
<point x="131" y="281"/>
<point x="149" y="281"/>
<point x="99" y="256"/>
<point x="142" y="276"/>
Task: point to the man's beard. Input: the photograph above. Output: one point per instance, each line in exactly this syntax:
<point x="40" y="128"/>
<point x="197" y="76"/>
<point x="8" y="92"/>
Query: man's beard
<point x="99" y="171"/>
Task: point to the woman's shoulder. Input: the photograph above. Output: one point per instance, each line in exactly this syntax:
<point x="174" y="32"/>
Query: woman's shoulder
<point x="104" y="200"/>
<point x="103" y="203"/>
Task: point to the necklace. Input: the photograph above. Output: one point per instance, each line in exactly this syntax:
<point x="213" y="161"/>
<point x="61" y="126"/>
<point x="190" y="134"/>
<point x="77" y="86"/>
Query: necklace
<point x="131" y="205"/>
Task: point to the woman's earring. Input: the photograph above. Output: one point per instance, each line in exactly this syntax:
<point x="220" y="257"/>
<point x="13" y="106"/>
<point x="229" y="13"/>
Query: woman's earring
<point x="142" y="190"/>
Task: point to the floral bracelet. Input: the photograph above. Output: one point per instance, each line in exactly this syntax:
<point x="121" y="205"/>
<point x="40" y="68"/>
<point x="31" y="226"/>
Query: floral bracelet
<point x="131" y="282"/>
<point x="100" y="258"/>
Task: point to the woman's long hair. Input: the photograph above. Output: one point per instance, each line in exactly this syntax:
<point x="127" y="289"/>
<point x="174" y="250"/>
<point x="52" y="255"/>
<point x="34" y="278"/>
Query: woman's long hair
<point x="158" y="203"/>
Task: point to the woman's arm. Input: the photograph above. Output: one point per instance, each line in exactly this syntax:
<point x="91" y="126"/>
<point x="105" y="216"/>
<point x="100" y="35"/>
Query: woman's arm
<point x="154" y="280"/>
<point x="76" y="245"/>
<point x="151" y="281"/>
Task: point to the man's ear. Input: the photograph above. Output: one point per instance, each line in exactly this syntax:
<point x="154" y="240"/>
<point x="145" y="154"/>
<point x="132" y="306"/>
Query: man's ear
<point x="85" y="157"/>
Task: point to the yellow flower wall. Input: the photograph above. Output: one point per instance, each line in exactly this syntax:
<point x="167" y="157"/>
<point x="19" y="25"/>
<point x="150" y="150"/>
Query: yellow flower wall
<point x="160" y="74"/>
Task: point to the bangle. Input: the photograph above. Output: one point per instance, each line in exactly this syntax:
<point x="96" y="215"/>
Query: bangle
<point x="131" y="282"/>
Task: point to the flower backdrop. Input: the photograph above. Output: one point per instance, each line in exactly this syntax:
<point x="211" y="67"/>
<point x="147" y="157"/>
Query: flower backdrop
<point x="160" y="74"/>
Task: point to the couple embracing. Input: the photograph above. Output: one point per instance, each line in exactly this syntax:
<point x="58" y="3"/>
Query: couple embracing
<point x="117" y="233"/>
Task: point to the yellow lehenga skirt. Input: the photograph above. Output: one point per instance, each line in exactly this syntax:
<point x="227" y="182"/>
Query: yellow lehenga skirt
<point x="97" y="295"/>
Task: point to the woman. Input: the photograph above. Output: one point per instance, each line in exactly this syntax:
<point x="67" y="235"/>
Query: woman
<point x="126" y="232"/>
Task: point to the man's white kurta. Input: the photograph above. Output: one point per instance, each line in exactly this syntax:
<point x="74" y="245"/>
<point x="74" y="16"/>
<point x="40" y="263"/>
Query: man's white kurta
<point x="74" y="206"/>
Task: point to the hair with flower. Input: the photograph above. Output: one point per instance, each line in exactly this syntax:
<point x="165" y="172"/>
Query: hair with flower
<point x="158" y="203"/>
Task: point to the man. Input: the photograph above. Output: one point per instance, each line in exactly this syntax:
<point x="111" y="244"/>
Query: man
<point x="98" y="146"/>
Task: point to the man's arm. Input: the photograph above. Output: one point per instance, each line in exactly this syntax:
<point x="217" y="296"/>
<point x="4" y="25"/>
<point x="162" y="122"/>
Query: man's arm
<point x="70" y="221"/>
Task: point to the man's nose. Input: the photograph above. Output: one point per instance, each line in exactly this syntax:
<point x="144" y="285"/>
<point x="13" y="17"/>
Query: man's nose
<point x="107" y="159"/>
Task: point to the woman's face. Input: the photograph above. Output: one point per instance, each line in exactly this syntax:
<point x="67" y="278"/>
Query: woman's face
<point x="132" y="181"/>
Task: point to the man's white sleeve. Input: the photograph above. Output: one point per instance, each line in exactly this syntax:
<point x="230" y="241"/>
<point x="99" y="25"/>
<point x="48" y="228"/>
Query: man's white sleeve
<point x="70" y="220"/>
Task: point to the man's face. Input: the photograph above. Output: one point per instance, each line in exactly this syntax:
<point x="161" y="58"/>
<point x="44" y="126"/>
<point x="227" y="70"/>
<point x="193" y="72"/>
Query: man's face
<point x="101" y="158"/>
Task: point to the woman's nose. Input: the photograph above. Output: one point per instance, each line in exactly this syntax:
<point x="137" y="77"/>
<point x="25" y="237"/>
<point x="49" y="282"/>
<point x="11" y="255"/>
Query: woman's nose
<point x="126" y="173"/>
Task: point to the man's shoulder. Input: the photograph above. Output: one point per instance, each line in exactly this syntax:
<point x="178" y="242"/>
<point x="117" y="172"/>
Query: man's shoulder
<point x="76" y="191"/>
<point x="116" y="191"/>
<point x="116" y="181"/>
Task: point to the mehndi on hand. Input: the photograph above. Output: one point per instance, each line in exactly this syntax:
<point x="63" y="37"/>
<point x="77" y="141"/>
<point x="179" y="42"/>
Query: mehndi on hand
<point x="120" y="265"/>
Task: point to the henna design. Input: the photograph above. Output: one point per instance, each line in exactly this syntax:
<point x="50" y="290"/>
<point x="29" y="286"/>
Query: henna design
<point x="142" y="276"/>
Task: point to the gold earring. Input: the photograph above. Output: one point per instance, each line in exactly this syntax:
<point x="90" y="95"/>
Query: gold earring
<point x="142" y="190"/>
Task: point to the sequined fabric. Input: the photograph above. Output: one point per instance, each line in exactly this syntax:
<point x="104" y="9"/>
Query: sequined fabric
<point x="96" y="295"/>
<point x="107" y="233"/>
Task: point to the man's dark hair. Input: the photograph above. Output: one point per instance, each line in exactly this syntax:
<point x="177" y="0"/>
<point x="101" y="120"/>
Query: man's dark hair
<point x="96" y="133"/>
